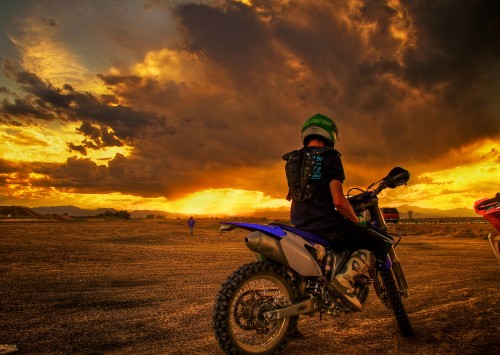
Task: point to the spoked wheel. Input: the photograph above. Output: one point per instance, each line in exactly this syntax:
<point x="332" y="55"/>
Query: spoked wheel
<point x="238" y="316"/>
<point x="394" y="301"/>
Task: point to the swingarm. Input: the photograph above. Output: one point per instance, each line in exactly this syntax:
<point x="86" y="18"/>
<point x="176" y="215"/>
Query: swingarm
<point x="310" y="305"/>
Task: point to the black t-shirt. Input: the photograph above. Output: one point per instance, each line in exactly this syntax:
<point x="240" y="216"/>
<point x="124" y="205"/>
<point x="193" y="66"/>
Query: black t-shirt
<point x="318" y="213"/>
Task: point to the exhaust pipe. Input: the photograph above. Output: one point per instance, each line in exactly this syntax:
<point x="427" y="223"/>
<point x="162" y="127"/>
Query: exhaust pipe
<point x="267" y="246"/>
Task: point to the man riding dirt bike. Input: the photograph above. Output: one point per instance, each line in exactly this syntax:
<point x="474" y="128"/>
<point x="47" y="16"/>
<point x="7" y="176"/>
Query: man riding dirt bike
<point x="315" y="175"/>
<point x="323" y="263"/>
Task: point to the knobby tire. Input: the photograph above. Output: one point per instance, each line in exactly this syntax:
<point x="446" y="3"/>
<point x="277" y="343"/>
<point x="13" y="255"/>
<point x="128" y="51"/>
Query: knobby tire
<point x="394" y="297"/>
<point x="225" y="305"/>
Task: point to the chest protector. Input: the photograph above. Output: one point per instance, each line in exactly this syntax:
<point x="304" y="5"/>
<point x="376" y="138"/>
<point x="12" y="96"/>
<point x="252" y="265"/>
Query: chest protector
<point x="299" y="169"/>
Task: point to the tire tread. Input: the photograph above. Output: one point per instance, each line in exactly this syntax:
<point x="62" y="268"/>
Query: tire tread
<point x="396" y="303"/>
<point x="221" y="311"/>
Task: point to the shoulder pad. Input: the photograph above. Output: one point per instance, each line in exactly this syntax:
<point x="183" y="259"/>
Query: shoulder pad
<point x="336" y="152"/>
<point x="324" y="150"/>
<point x="288" y="155"/>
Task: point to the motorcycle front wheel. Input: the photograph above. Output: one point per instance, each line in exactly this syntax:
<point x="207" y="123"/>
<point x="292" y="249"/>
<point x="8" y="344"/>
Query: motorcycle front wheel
<point x="247" y="294"/>
<point x="394" y="301"/>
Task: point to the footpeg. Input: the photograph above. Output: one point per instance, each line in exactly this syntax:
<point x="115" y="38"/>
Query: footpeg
<point x="364" y="280"/>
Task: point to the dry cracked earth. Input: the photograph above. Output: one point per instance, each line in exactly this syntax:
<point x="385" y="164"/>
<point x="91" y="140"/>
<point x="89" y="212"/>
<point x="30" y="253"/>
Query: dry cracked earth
<point x="147" y="287"/>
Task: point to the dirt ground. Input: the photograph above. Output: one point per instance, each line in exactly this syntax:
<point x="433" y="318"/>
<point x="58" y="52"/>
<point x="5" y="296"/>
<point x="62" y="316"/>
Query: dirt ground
<point x="147" y="287"/>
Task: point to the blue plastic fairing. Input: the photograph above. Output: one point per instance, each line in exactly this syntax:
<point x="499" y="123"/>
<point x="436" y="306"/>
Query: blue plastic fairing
<point x="272" y="230"/>
<point x="311" y="237"/>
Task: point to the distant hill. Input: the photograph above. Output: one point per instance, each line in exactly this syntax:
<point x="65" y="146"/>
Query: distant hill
<point x="71" y="211"/>
<point x="80" y="212"/>
<point x="419" y="212"/>
<point x="279" y="213"/>
<point x="145" y="213"/>
<point x="19" y="212"/>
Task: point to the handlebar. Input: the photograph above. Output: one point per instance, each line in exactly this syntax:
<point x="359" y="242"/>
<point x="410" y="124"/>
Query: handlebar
<point x="396" y="177"/>
<point x="381" y="187"/>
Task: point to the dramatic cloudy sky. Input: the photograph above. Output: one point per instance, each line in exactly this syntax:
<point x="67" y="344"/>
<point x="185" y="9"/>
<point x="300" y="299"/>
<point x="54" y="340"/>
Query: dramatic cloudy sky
<point x="188" y="106"/>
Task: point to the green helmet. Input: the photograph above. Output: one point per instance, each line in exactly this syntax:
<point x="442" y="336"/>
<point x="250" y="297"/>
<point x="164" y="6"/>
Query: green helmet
<point x="320" y="125"/>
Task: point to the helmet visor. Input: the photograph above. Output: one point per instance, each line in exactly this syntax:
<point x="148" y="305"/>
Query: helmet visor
<point x="319" y="131"/>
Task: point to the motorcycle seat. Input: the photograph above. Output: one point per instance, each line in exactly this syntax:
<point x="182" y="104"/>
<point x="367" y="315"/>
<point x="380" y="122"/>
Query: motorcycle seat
<point x="310" y="237"/>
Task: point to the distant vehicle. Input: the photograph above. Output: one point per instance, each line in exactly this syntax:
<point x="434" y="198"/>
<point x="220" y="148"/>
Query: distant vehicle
<point x="391" y="214"/>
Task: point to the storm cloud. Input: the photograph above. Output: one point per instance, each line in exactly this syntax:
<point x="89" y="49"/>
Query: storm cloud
<point x="224" y="94"/>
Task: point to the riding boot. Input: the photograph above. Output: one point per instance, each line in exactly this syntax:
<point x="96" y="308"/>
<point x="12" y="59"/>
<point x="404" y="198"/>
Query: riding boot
<point x="360" y="262"/>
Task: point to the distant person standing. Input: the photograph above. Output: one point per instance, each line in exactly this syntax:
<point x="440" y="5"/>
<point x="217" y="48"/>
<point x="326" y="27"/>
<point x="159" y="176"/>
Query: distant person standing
<point x="191" y="223"/>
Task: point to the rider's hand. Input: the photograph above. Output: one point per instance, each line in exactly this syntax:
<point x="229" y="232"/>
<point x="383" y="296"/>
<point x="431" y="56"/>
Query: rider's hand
<point x="361" y="221"/>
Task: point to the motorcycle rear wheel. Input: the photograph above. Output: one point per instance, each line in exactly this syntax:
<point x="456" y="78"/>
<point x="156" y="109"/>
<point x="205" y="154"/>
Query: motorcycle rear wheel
<point x="247" y="294"/>
<point x="394" y="297"/>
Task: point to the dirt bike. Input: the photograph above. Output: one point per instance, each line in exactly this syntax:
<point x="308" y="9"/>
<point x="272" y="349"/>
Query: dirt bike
<point x="489" y="208"/>
<point x="258" y="306"/>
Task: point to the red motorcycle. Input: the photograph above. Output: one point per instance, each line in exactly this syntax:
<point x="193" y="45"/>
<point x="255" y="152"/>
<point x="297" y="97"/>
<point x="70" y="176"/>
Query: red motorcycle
<point x="489" y="208"/>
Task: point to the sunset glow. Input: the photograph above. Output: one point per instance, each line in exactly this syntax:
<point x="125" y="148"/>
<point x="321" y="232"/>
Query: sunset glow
<point x="188" y="107"/>
<point x="46" y="143"/>
<point x="225" y="202"/>
<point x="458" y="186"/>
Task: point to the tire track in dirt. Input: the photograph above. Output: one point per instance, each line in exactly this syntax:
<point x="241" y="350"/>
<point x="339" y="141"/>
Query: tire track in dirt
<point x="141" y="287"/>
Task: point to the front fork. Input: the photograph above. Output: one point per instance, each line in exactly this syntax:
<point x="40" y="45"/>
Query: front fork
<point x="398" y="272"/>
<point x="394" y="264"/>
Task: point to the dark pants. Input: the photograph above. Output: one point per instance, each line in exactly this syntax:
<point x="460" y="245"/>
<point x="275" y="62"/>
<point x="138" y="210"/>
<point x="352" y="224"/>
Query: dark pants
<point x="352" y="237"/>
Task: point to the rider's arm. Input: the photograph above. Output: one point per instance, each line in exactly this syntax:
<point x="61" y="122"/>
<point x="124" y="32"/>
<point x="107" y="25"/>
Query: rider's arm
<point x="340" y="201"/>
